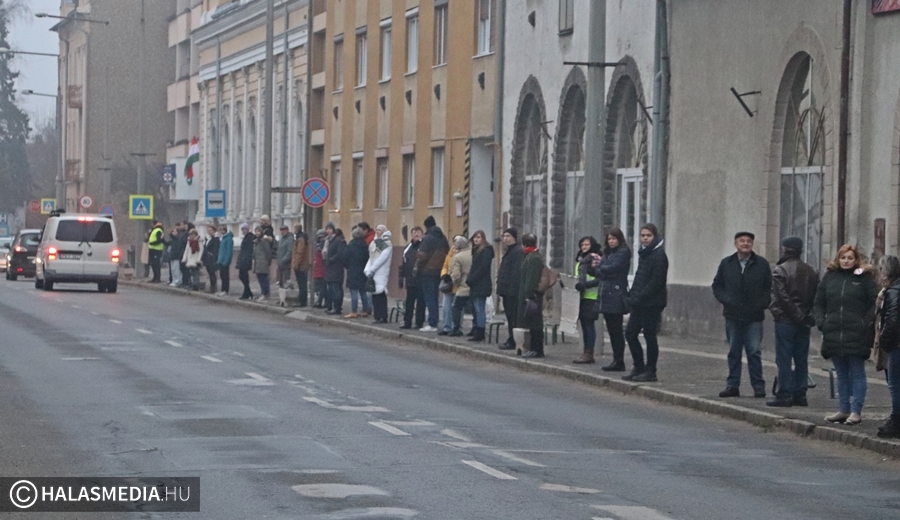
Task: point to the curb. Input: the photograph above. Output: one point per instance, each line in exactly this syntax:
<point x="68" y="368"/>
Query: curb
<point x="765" y="420"/>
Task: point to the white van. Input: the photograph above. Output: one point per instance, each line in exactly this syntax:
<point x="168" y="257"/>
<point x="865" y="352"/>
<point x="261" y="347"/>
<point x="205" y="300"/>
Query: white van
<point x="78" y="248"/>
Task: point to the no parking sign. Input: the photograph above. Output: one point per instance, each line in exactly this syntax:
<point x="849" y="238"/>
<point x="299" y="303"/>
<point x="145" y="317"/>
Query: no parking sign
<point x="315" y="193"/>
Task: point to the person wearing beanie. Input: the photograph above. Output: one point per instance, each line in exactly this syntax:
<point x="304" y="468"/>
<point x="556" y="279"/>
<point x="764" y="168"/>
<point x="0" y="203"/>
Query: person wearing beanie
<point x="429" y="261"/>
<point x="508" y="278"/>
<point x="743" y="286"/>
<point x="245" y="260"/>
<point x="794" y="286"/>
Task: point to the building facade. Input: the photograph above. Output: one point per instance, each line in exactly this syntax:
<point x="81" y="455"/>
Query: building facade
<point x="114" y="64"/>
<point x="228" y="40"/>
<point x="406" y="128"/>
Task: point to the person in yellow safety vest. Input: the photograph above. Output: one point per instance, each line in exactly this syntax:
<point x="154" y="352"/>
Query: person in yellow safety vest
<point x="589" y="287"/>
<point x="155" y="244"/>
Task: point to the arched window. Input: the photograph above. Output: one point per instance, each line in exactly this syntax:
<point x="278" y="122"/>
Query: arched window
<point x="212" y="169"/>
<point x="568" y="173"/>
<point x="234" y="208"/>
<point x="226" y="157"/>
<point x="528" y="185"/>
<point x="803" y="161"/>
<point x="252" y="164"/>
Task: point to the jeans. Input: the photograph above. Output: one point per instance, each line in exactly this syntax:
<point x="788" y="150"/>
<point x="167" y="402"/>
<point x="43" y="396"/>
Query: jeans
<point x="336" y="295"/>
<point x="644" y="319"/>
<point x="193" y="277"/>
<point x="175" y="272"/>
<point x="479" y="317"/>
<point x="263" y="283"/>
<point x="357" y="296"/>
<point x="430" y="284"/>
<point x="893" y="377"/>
<point x="414" y="305"/>
<point x="302" y="288"/>
<point x="225" y="276"/>
<point x="851" y="379"/>
<point x="744" y="336"/>
<point x="284" y="276"/>
<point x="509" y="308"/>
<point x="447" y="310"/>
<point x="322" y="297"/>
<point x="589" y="334"/>
<point x="244" y="277"/>
<point x="155" y="258"/>
<point x="791" y="346"/>
<point x="616" y="336"/>
<point x="211" y="271"/>
<point x="379" y="307"/>
<point x="459" y="307"/>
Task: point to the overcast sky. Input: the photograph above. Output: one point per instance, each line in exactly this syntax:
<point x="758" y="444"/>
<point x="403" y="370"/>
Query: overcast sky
<point x="38" y="73"/>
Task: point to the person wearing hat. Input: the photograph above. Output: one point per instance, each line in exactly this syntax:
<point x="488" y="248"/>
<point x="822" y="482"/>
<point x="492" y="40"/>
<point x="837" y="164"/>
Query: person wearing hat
<point x="245" y="260"/>
<point x="300" y="263"/>
<point x="794" y="285"/>
<point x="508" y="279"/>
<point x="743" y="286"/>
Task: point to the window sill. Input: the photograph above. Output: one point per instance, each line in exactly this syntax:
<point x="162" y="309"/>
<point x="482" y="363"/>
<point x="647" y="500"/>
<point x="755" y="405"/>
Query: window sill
<point x="359" y="87"/>
<point x="334" y="210"/>
<point x="483" y="55"/>
<point x="413" y="73"/>
<point x="439" y="206"/>
<point x="407" y="208"/>
<point x="338" y="91"/>
<point x="438" y="66"/>
<point x="382" y="210"/>
<point x="356" y="210"/>
<point x="566" y="32"/>
<point x="384" y="80"/>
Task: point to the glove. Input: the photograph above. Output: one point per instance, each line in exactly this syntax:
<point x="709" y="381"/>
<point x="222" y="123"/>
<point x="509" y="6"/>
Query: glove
<point x="579" y="286"/>
<point x="809" y="321"/>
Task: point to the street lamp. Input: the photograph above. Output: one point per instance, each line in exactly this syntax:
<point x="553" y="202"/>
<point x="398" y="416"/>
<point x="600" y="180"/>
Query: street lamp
<point x="80" y="19"/>
<point x="7" y="50"/>
<point x="30" y="92"/>
<point x="60" y="180"/>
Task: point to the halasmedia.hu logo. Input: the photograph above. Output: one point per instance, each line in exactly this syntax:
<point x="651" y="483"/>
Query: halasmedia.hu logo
<point x="100" y="494"/>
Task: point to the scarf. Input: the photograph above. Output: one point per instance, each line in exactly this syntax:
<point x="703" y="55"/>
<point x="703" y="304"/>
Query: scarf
<point x="529" y="250"/>
<point x="195" y="244"/>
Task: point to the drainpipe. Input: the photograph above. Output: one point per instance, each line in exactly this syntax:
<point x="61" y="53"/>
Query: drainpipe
<point x="844" y="136"/>
<point x="213" y="183"/>
<point x="659" y="160"/>
<point x="596" y="107"/>
<point x="498" y="118"/>
<point x="283" y="198"/>
<point x="310" y="223"/>
<point x="268" y="130"/>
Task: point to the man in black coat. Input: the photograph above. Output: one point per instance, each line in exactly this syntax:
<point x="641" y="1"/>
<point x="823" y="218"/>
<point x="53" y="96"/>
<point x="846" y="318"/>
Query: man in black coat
<point x="794" y="285"/>
<point x="508" y="278"/>
<point x="245" y="260"/>
<point x="409" y="277"/>
<point x="743" y="285"/>
<point x="647" y="299"/>
<point x="432" y="252"/>
<point x="334" y="271"/>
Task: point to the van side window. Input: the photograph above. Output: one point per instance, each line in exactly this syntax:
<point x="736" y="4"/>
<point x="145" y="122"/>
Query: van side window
<point x="79" y="231"/>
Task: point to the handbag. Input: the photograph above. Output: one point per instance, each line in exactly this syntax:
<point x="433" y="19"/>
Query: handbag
<point x="532" y="308"/>
<point x="446" y="285"/>
<point x="370" y="284"/>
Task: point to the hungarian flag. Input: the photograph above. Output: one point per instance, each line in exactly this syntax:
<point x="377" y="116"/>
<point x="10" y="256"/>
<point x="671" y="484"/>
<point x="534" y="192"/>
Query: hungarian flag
<point x="193" y="158"/>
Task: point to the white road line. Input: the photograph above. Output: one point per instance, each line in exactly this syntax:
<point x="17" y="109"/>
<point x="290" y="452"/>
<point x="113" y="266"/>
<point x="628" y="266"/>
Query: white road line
<point x="455" y="434"/>
<point x="173" y="343"/>
<point x="96" y="313"/>
<point x="510" y="456"/>
<point x="570" y="489"/>
<point x="633" y="512"/>
<point x="212" y="359"/>
<point x="116" y="321"/>
<point x="489" y="470"/>
<point x="76" y="306"/>
<point x="80" y="359"/>
<point x="237" y="354"/>
<point x="410" y="423"/>
<point x="388" y="428"/>
<point x="143" y="331"/>
<point x="256" y="376"/>
<point x="325" y="404"/>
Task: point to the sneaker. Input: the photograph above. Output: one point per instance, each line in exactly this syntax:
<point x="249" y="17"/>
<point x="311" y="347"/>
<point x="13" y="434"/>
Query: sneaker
<point x="585" y="359"/>
<point x="443" y="332"/>
<point x="837" y="417"/>
<point x="731" y="391"/>
<point x="405" y="327"/>
<point x="427" y="328"/>
<point x="262" y="298"/>
<point x="507" y="346"/>
<point x="759" y="393"/>
<point x="634" y="373"/>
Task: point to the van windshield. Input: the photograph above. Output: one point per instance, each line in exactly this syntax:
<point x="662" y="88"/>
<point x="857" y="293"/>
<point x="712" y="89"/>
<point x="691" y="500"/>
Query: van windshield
<point x="84" y="231"/>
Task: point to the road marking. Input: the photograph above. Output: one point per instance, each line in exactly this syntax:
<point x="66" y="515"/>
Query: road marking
<point x="569" y="489"/>
<point x="143" y="331"/>
<point x="489" y="470"/>
<point x="116" y="321"/>
<point x="80" y="359"/>
<point x="173" y="343"/>
<point x="345" y="408"/>
<point x="120" y="349"/>
<point x="212" y="359"/>
<point x="96" y="313"/>
<point x="388" y="428"/>
<point x="410" y="423"/>
<point x="510" y="456"/>
<point x="337" y="490"/>
<point x="256" y="376"/>
<point x="633" y="512"/>
<point x="237" y="354"/>
<point x="76" y="306"/>
<point x="456" y="435"/>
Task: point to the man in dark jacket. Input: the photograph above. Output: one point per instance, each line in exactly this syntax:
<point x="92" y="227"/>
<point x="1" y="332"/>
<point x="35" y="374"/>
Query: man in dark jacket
<point x="794" y="286"/>
<point x="647" y="299"/>
<point x="508" y="279"/>
<point x="245" y="260"/>
<point x="356" y="255"/>
<point x="155" y="244"/>
<point x="300" y="264"/>
<point x="743" y="285"/>
<point x="529" y="280"/>
<point x="334" y="271"/>
<point x="429" y="262"/>
<point x="177" y="240"/>
<point x="410" y="278"/>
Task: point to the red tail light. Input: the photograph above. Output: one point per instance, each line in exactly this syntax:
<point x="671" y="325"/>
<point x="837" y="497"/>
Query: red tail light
<point x="51" y="253"/>
<point x="85" y="219"/>
<point x="115" y="255"/>
<point x="19" y="249"/>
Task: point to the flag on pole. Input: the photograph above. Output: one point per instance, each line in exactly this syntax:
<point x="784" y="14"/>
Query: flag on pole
<point x="193" y="158"/>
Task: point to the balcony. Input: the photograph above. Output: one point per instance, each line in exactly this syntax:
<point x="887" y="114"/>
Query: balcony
<point x="317" y="138"/>
<point x="74" y="97"/>
<point x="179" y="95"/>
<point x="318" y="80"/>
<point x="319" y="22"/>
<point x="180" y="29"/>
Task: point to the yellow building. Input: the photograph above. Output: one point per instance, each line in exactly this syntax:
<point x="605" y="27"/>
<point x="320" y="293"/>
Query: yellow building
<point x="402" y="118"/>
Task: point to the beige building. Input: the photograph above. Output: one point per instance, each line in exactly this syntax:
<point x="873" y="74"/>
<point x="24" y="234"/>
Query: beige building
<point x="227" y="90"/>
<point x="114" y="67"/>
<point x="402" y="119"/>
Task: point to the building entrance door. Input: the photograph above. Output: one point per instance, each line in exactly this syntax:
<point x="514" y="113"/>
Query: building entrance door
<point x="629" y="181"/>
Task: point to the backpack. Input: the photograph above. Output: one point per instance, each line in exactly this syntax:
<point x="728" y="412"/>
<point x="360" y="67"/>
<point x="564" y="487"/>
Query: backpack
<point x="549" y="277"/>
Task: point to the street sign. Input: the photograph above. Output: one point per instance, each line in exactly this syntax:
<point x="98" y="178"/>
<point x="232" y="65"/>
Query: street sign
<point x="107" y="209"/>
<point x="48" y="206"/>
<point x="315" y="193"/>
<point x="34" y="206"/>
<point x="4" y="230"/>
<point x="167" y="175"/>
<point x="140" y="207"/>
<point x="86" y="201"/>
<point x="215" y="203"/>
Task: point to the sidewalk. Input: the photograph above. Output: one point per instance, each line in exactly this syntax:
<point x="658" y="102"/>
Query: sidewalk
<point x="691" y="372"/>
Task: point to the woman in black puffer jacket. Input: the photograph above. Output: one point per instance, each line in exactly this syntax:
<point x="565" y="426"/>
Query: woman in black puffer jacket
<point x="845" y="312"/>
<point x="887" y="342"/>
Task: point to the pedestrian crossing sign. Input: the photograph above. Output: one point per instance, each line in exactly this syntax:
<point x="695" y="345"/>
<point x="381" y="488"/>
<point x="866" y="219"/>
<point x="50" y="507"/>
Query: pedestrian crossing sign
<point x="48" y="206"/>
<point x="140" y="207"/>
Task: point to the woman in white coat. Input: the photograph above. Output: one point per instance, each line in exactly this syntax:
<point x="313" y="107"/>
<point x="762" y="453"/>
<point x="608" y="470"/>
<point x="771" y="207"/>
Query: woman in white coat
<point x="193" y="259"/>
<point x="379" y="269"/>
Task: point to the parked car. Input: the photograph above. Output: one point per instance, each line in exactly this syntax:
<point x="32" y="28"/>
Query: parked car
<point x="20" y="257"/>
<point x="5" y="244"/>
<point x="78" y="248"/>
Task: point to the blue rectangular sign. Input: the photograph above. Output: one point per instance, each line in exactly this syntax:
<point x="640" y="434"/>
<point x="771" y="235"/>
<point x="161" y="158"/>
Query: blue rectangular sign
<point x="216" y="206"/>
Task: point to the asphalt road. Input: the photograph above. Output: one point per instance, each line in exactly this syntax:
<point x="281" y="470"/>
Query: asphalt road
<point x="283" y="420"/>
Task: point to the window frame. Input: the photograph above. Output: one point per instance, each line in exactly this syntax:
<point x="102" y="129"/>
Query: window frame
<point x="412" y="42"/>
<point x="336" y="184"/>
<point x="382" y="174"/>
<point x="438" y="157"/>
<point x="362" y="55"/>
<point x="441" y="16"/>
<point x="339" y="64"/>
<point x="566" y="17"/>
<point x="484" y="28"/>
<point x="386" y="40"/>
<point x="409" y="180"/>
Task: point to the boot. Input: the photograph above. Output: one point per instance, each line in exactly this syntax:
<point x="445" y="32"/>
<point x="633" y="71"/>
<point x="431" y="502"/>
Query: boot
<point x="891" y="428"/>
<point x="479" y="334"/>
<point x="537" y="347"/>
<point x="615" y="366"/>
<point x="586" y="359"/>
<point x="455" y="333"/>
